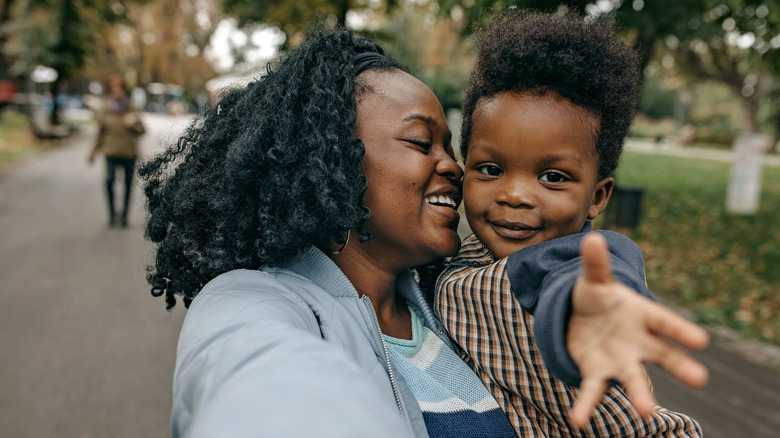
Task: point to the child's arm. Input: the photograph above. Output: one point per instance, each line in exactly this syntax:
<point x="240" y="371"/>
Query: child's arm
<point x="590" y="332"/>
<point x="613" y="330"/>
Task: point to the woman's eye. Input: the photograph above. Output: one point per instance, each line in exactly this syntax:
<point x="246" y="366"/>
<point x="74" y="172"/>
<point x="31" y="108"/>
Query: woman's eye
<point x="552" y="177"/>
<point x="490" y="170"/>
<point x="422" y="144"/>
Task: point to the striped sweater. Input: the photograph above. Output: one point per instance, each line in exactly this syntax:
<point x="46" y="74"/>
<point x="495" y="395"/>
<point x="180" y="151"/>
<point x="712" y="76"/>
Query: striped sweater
<point x="475" y="302"/>
<point x="453" y="401"/>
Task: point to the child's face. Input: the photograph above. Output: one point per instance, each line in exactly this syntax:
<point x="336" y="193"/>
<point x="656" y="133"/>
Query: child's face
<point x="531" y="171"/>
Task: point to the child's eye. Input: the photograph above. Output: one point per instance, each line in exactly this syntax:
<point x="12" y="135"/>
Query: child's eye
<point x="490" y="170"/>
<point x="552" y="177"/>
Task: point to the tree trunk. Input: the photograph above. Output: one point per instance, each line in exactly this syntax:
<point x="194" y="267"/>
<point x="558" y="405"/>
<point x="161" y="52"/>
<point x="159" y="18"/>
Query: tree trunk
<point x="342" y="7"/>
<point x="5" y="9"/>
<point x="55" y="107"/>
<point x="644" y="44"/>
<point x="749" y="110"/>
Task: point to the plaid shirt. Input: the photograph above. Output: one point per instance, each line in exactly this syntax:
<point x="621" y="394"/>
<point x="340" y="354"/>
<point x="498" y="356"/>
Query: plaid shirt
<point x="475" y="303"/>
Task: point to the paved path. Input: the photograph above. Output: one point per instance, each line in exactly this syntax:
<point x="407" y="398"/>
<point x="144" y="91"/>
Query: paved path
<point x="742" y="398"/>
<point x="667" y="147"/>
<point x="87" y="353"/>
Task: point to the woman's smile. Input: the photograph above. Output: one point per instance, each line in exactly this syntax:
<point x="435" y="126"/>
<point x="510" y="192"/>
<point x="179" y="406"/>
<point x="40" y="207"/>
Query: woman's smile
<point x="446" y="204"/>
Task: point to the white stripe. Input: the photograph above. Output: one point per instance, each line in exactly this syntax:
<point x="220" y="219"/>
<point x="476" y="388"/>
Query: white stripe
<point x="428" y="351"/>
<point x="454" y="404"/>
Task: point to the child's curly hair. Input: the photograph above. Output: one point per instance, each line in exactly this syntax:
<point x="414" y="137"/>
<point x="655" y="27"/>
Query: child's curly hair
<point x="274" y="168"/>
<point x="579" y="59"/>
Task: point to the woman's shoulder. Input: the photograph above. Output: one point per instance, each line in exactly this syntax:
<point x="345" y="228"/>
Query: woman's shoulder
<point x="238" y="302"/>
<point x="250" y="286"/>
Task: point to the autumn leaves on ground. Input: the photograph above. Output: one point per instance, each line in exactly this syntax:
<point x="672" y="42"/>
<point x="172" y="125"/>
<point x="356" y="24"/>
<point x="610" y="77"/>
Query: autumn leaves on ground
<point x="724" y="268"/>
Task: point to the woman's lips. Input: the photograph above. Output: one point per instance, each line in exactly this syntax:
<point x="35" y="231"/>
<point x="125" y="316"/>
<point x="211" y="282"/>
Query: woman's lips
<point x="445" y="200"/>
<point x="445" y="205"/>
<point x="513" y="230"/>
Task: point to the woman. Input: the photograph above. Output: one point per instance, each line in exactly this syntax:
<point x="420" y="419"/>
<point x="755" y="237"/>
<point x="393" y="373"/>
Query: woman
<point x="294" y="211"/>
<point x="119" y="128"/>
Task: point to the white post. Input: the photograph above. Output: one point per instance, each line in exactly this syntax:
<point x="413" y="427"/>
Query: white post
<point x="744" y="187"/>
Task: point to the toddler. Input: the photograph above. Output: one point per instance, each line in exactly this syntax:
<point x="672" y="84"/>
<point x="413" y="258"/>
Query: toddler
<point x="548" y="105"/>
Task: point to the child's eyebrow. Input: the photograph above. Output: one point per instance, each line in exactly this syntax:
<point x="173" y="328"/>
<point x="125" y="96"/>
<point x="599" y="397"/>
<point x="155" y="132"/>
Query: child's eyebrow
<point x="553" y="158"/>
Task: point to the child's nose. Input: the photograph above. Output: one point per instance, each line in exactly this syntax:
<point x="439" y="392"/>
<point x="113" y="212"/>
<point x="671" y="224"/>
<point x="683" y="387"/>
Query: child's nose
<point x="517" y="193"/>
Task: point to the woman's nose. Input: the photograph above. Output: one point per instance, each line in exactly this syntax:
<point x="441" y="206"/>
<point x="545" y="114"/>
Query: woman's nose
<point x="448" y="167"/>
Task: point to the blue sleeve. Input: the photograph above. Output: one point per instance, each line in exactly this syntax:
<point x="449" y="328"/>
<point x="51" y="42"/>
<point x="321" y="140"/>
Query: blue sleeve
<point x="542" y="278"/>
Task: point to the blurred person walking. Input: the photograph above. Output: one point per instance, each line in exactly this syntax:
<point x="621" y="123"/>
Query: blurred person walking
<point x="119" y="128"/>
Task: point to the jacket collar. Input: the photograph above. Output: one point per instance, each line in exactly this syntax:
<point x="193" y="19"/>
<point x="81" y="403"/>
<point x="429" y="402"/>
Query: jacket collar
<point x="313" y="264"/>
<point x="319" y="268"/>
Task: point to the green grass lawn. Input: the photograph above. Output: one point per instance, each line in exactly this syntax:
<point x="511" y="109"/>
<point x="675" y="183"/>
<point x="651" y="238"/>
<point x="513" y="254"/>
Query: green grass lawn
<point x="16" y="140"/>
<point x="724" y="268"/>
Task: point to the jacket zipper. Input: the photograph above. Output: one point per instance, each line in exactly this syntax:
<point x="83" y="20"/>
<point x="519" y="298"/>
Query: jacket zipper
<point x="396" y="393"/>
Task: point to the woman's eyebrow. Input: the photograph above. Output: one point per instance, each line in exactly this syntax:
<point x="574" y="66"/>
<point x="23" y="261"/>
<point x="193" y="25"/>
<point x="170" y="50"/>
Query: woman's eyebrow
<point x="429" y="121"/>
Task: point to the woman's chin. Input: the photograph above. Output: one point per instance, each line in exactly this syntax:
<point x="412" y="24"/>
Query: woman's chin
<point x="451" y="245"/>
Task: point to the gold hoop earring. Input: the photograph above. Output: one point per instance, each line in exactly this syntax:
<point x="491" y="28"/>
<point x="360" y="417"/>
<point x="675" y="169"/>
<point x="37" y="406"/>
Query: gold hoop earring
<point x="338" y="251"/>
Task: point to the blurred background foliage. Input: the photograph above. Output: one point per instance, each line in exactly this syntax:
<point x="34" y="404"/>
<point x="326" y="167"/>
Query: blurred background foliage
<point x="722" y="267"/>
<point x="689" y="50"/>
<point x="711" y="73"/>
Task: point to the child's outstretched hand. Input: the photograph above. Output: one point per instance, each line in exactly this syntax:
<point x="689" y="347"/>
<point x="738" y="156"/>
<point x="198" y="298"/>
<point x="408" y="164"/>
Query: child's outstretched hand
<point x="614" y="329"/>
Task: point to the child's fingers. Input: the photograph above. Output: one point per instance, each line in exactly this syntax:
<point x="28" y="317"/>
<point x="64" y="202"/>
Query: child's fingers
<point x="676" y="362"/>
<point x="635" y="381"/>
<point x="665" y="322"/>
<point x="595" y="259"/>
<point x="591" y="392"/>
<point x="683" y="367"/>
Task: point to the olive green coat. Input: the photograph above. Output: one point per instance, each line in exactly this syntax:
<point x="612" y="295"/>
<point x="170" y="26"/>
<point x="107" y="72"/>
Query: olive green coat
<point x="118" y="134"/>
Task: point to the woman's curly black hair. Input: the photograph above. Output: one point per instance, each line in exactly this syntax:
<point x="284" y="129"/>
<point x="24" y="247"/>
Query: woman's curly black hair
<point x="579" y="59"/>
<point x="274" y="168"/>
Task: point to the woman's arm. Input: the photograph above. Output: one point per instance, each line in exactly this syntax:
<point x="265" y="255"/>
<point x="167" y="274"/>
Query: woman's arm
<point x="97" y="145"/>
<point x="253" y="363"/>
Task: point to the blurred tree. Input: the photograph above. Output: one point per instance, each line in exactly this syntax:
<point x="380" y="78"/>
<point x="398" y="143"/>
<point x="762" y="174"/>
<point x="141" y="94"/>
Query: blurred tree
<point x="58" y="34"/>
<point x="162" y="41"/>
<point x="443" y="62"/>
<point x="645" y="22"/>
<point x="735" y="42"/>
<point x="292" y="17"/>
<point x="656" y="101"/>
<point x="66" y="50"/>
<point x="144" y="40"/>
<point x="6" y="7"/>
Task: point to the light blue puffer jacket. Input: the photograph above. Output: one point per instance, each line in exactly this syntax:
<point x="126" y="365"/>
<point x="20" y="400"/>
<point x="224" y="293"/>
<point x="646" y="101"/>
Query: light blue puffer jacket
<point x="291" y="352"/>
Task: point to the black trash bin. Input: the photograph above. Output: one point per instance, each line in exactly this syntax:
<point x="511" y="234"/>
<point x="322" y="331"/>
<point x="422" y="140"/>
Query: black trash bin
<point x="625" y="206"/>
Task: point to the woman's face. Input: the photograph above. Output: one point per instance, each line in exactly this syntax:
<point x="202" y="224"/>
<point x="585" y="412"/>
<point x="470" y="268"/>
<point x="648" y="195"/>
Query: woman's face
<point x="116" y="89"/>
<point x="413" y="180"/>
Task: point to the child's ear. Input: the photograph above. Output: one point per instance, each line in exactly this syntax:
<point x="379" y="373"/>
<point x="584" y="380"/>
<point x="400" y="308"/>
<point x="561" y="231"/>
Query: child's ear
<point x="601" y="197"/>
